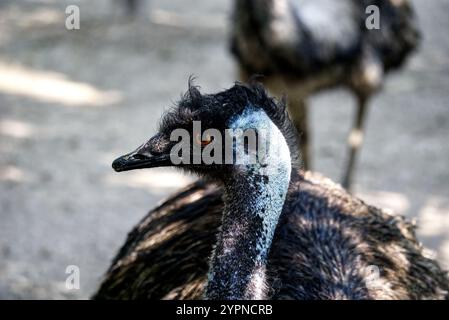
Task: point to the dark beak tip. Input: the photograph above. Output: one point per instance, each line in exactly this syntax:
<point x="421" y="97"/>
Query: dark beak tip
<point x="139" y="160"/>
<point x="117" y="164"/>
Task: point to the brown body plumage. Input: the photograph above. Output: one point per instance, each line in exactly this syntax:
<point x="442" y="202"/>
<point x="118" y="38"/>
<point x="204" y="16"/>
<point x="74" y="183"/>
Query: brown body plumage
<point x="166" y="256"/>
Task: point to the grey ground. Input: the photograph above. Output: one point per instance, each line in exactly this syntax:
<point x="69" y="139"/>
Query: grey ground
<point x="71" y="101"/>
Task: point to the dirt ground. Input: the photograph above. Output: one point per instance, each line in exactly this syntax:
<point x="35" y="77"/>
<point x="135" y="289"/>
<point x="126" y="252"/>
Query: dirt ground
<point x="71" y="101"/>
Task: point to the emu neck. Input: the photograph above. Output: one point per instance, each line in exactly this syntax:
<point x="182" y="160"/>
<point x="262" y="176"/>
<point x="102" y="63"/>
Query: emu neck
<point x="254" y="198"/>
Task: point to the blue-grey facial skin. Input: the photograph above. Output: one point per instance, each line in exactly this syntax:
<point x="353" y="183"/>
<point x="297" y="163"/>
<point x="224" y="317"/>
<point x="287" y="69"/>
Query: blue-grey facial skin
<point x="250" y="218"/>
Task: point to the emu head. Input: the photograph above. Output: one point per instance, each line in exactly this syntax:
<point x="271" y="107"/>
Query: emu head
<point x="193" y="134"/>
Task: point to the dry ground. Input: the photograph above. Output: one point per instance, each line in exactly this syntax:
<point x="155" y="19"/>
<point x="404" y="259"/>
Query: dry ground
<point x="70" y="101"/>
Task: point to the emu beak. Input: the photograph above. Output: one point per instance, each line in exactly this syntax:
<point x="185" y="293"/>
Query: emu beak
<point x="141" y="158"/>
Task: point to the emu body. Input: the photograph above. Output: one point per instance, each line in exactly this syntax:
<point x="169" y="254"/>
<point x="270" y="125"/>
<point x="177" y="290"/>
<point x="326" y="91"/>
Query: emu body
<point x="242" y="236"/>
<point x="166" y="256"/>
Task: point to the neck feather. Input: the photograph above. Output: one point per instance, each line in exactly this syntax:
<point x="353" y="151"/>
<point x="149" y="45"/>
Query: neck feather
<point x="254" y="198"/>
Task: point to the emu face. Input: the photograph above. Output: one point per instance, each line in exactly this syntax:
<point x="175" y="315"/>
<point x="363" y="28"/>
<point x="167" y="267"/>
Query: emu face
<point x="207" y="125"/>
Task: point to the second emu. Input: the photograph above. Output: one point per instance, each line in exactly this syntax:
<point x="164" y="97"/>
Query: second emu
<point x="303" y="46"/>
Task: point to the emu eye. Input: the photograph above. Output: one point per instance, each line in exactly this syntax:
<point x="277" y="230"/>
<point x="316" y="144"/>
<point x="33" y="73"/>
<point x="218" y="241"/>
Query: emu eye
<point x="204" y="142"/>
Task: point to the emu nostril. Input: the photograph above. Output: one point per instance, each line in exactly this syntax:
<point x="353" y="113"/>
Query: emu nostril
<point x="140" y="157"/>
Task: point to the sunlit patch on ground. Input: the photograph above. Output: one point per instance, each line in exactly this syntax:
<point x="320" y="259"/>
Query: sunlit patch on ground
<point x="16" y="129"/>
<point x="444" y="254"/>
<point x="433" y="217"/>
<point x="169" y="18"/>
<point x="43" y="16"/>
<point x="52" y="87"/>
<point x="12" y="174"/>
<point x="434" y="224"/>
<point x="394" y="201"/>
<point x="157" y="181"/>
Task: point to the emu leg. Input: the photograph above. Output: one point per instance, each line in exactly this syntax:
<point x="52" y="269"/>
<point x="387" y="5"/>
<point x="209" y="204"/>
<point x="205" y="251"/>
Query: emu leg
<point x="355" y="141"/>
<point x="132" y="6"/>
<point x="297" y="109"/>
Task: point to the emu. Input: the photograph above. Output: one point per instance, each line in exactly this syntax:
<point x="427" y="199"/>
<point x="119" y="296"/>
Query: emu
<point x="304" y="46"/>
<point x="262" y="232"/>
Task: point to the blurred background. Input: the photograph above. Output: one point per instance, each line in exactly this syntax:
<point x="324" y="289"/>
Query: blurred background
<point x="73" y="100"/>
